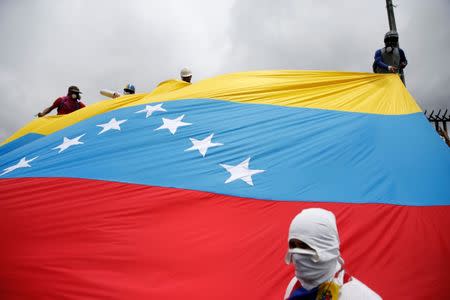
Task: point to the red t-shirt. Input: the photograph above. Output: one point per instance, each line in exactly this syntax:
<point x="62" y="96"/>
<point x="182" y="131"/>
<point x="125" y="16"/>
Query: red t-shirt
<point x="66" y="105"/>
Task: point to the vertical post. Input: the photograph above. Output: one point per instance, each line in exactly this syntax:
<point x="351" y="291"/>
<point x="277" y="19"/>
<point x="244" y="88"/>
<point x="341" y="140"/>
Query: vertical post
<point x="393" y="27"/>
<point x="391" y="17"/>
<point x="445" y="120"/>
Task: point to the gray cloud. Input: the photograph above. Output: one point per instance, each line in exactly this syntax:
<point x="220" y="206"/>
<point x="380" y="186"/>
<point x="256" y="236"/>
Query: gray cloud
<point x="49" y="45"/>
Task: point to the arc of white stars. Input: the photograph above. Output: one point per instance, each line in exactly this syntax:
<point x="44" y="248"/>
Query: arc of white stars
<point x="150" y="109"/>
<point x="69" y="143"/>
<point x="23" y="163"/>
<point x="173" y="124"/>
<point x="112" y="124"/>
<point x="241" y="171"/>
<point x="203" y="145"/>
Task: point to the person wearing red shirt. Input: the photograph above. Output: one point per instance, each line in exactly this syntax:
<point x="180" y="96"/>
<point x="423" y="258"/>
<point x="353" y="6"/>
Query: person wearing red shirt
<point x="66" y="104"/>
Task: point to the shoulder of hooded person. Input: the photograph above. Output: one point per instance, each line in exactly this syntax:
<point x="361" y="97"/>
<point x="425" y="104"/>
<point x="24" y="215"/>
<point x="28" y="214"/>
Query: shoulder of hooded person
<point x="355" y="289"/>
<point x="350" y="288"/>
<point x="292" y="286"/>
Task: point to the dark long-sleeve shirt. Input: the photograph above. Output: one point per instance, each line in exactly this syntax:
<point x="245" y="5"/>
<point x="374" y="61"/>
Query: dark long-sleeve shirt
<point x="379" y="59"/>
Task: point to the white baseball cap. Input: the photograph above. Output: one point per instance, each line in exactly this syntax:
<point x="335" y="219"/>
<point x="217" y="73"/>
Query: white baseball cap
<point x="185" y="72"/>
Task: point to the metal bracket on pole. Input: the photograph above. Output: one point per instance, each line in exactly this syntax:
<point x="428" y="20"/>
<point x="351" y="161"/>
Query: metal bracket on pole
<point x="438" y="118"/>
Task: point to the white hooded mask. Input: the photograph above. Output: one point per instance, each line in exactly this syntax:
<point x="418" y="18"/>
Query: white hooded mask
<point x="317" y="228"/>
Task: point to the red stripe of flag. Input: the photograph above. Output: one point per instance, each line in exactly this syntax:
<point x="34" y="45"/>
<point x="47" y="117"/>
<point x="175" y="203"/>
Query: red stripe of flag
<point x="84" y="239"/>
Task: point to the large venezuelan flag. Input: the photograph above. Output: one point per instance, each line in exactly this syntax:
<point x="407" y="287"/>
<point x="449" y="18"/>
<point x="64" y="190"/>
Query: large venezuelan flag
<point x="187" y="192"/>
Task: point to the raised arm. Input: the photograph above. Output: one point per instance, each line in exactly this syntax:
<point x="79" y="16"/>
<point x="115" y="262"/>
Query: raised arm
<point x="50" y="108"/>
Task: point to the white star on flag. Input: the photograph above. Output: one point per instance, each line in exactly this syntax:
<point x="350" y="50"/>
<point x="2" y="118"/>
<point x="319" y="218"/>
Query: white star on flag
<point x="150" y="109"/>
<point x="241" y="171"/>
<point x="113" y="124"/>
<point x="68" y="143"/>
<point x="203" y="145"/>
<point x="173" y="124"/>
<point x="23" y="163"/>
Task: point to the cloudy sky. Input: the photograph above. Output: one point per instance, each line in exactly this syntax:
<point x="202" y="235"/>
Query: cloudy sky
<point x="48" y="45"/>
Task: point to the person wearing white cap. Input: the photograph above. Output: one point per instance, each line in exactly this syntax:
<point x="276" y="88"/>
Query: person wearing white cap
<point x="186" y="75"/>
<point x="319" y="269"/>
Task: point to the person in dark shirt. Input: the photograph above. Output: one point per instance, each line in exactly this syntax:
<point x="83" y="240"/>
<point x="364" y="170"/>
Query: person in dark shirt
<point x="186" y="75"/>
<point x="391" y="58"/>
<point x="65" y="104"/>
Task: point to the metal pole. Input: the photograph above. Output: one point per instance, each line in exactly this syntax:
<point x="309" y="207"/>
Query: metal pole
<point x="391" y="17"/>
<point x="393" y="27"/>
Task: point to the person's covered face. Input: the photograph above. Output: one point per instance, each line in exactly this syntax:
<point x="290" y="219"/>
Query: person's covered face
<point x="391" y="42"/>
<point x="313" y="247"/>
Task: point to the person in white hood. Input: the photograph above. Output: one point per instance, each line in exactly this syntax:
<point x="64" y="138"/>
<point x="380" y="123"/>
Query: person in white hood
<point x="186" y="75"/>
<point x="319" y="269"/>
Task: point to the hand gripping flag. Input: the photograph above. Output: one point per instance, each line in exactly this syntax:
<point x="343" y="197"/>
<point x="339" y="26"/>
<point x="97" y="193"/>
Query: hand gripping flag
<point x="187" y="192"/>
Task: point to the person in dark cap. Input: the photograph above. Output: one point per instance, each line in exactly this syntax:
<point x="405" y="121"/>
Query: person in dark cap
<point x="391" y="58"/>
<point x="66" y="104"/>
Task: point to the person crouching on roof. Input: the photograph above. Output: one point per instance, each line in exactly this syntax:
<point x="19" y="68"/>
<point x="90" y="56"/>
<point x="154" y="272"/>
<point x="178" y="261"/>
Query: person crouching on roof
<point x="319" y="269"/>
<point x="129" y="89"/>
<point x="65" y="104"/>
